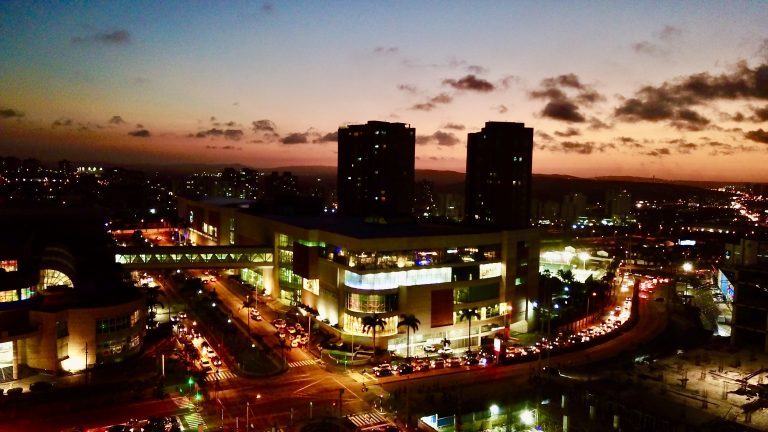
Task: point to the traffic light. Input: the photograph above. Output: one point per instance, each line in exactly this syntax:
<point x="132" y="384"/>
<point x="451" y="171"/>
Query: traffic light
<point x="190" y="381"/>
<point x="198" y="396"/>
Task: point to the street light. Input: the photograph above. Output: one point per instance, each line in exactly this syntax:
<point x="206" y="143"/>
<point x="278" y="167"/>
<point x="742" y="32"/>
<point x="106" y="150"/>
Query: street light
<point x="584" y="257"/>
<point x="588" y="298"/>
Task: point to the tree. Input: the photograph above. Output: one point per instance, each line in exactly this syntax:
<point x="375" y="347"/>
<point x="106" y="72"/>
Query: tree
<point x="468" y="314"/>
<point x="411" y="323"/>
<point x="371" y="322"/>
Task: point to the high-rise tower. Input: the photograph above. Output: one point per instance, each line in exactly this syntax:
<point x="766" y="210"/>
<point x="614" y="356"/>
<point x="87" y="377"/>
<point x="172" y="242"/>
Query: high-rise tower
<point x="376" y="169"/>
<point x="498" y="179"/>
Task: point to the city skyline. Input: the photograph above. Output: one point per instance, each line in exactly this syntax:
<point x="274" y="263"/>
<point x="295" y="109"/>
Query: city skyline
<point x="675" y="91"/>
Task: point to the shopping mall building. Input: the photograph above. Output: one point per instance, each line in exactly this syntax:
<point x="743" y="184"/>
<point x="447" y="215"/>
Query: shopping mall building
<point x="63" y="304"/>
<point x="348" y="268"/>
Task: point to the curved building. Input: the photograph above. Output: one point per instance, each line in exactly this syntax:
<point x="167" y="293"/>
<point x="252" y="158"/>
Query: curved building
<point x="63" y="303"/>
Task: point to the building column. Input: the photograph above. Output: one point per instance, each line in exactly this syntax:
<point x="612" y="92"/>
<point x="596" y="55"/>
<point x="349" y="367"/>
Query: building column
<point x="15" y="350"/>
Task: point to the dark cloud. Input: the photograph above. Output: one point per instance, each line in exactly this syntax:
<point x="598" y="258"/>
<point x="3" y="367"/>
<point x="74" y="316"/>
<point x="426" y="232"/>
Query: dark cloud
<point x="563" y="110"/>
<point x="471" y="83"/>
<point x="501" y="109"/>
<point x="231" y="147"/>
<point x="330" y="137"/>
<point x="10" y="113"/>
<point x="407" y="88"/>
<point x="689" y="119"/>
<point x="761" y="114"/>
<point x="117" y="37"/>
<point x="296" y="138"/>
<point x="629" y="142"/>
<point x="263" y="125"/>
<point x="233" y="134"/>
<point x="442" y="98"/>
<point x="454" y="126"/>
<point x="544" y="136"/>
<point x="568" y="133"/>
<point x="475" y="69"/>
<point x="444" y="139"/>
<point x="687" y="147"/>
<point x="140" y="133"/>
<point x="759" y="135"/>
<point x="230" y="134"/>
<point x="508" y="80"/>
<point x="597" y="124"/>
<point x="669" y="33"/>
<point x="385" y="50"/>
<point x="672" y="101"/>
<point x="560" y="105"/>
<point x="267" y="8"/>
<point x="62" y="122"/>
<point x="577" y="147"/>
<point x="139" y="126"/>
<point x="116" y="120"/>
<point x="658" y="152"/>
<point x="649" y="49"/>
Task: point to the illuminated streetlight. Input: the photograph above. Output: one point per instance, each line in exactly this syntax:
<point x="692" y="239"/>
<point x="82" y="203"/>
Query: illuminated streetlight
<point x="687" y="267"/>
<point x="584" y="257"/>
<point x="527" y="418"/>
<point x="494" y="410"/>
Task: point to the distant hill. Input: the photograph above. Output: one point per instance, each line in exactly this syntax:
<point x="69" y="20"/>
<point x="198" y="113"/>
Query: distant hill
<point x="545" y="187"/>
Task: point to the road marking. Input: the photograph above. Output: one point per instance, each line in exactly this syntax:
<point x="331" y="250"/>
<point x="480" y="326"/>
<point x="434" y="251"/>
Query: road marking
<point x="220" y="376"/>
<point x="303" y="363"/>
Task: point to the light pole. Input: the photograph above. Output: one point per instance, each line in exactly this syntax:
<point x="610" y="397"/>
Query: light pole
<point x="584" y="257"/>
<point x="588" y="298"/>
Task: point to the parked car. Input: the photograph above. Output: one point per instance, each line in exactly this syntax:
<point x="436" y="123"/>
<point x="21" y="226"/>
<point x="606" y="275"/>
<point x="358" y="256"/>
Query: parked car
<point x="404" y="369"/>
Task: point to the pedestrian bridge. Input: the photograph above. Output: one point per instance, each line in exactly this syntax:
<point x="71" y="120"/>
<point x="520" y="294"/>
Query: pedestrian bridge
<point x="197" y="257"/>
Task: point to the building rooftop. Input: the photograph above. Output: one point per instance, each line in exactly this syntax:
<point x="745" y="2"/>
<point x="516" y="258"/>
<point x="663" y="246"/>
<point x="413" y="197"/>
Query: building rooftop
<point x="362" y="229"/>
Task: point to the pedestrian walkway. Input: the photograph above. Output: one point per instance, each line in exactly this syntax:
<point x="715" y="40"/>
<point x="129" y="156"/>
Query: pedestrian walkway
<point x="192" y="420"/>
<point x="220" y="376"/>
<point x="309" y="362"/>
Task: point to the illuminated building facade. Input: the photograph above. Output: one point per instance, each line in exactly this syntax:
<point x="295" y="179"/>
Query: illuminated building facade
<point x="63" y="305"/>
<point x="348" y="269"/>
<point x="498" y="182"/>
<point x="743" y="279"/>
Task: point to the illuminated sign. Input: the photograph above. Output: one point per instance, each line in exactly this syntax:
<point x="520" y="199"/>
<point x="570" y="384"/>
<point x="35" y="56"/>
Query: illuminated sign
<point x="686" y="242"/>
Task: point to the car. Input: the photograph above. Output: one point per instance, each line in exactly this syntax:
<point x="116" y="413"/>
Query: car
<point x="404" y="369"/>
<point x="295" y="342"/>
<point x="183" y="315"/>
<point x="470" y="361"/>
<point x="445" y="350"/>
<point x="291" y="329"/>
<point x="40" y="386"/>
<point x="256" y="318"/>
<point x="279" y="323"/>
<point x="550" y="371"/>
<point x="255" y="313"/>
<point x="420" y="365"/>
<point x="430" y="348"/>
<point x="453" y="362"/>
<point x="299" y="327"/>
<point x="437" y="363"/>
<point x="210" y="352"/>
<point x="216" y="361"/>
<point x="384" y="369"/>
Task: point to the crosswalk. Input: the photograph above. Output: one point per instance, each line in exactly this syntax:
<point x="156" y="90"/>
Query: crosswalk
<point x="304" y="363"/>
<point x="220" y="376"/>
<point x="191" y="420"/>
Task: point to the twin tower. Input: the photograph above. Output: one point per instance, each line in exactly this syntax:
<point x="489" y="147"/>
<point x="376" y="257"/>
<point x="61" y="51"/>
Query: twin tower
<point x="376" y="172"/>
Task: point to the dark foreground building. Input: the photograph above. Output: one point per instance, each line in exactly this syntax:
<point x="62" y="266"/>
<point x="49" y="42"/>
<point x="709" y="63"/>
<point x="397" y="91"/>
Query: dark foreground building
<point x="375" y="174"/>
<point x="498" y="181"/>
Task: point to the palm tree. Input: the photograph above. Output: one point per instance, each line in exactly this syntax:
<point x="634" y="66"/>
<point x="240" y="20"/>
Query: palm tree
<point x="248" y="303"/>
<point x="468" y="314"/>
<point x="411" y="323"/>
<point x="371" y="322"/>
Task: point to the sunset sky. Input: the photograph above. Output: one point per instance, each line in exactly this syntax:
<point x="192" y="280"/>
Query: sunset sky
<point x="675" y="90"/>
